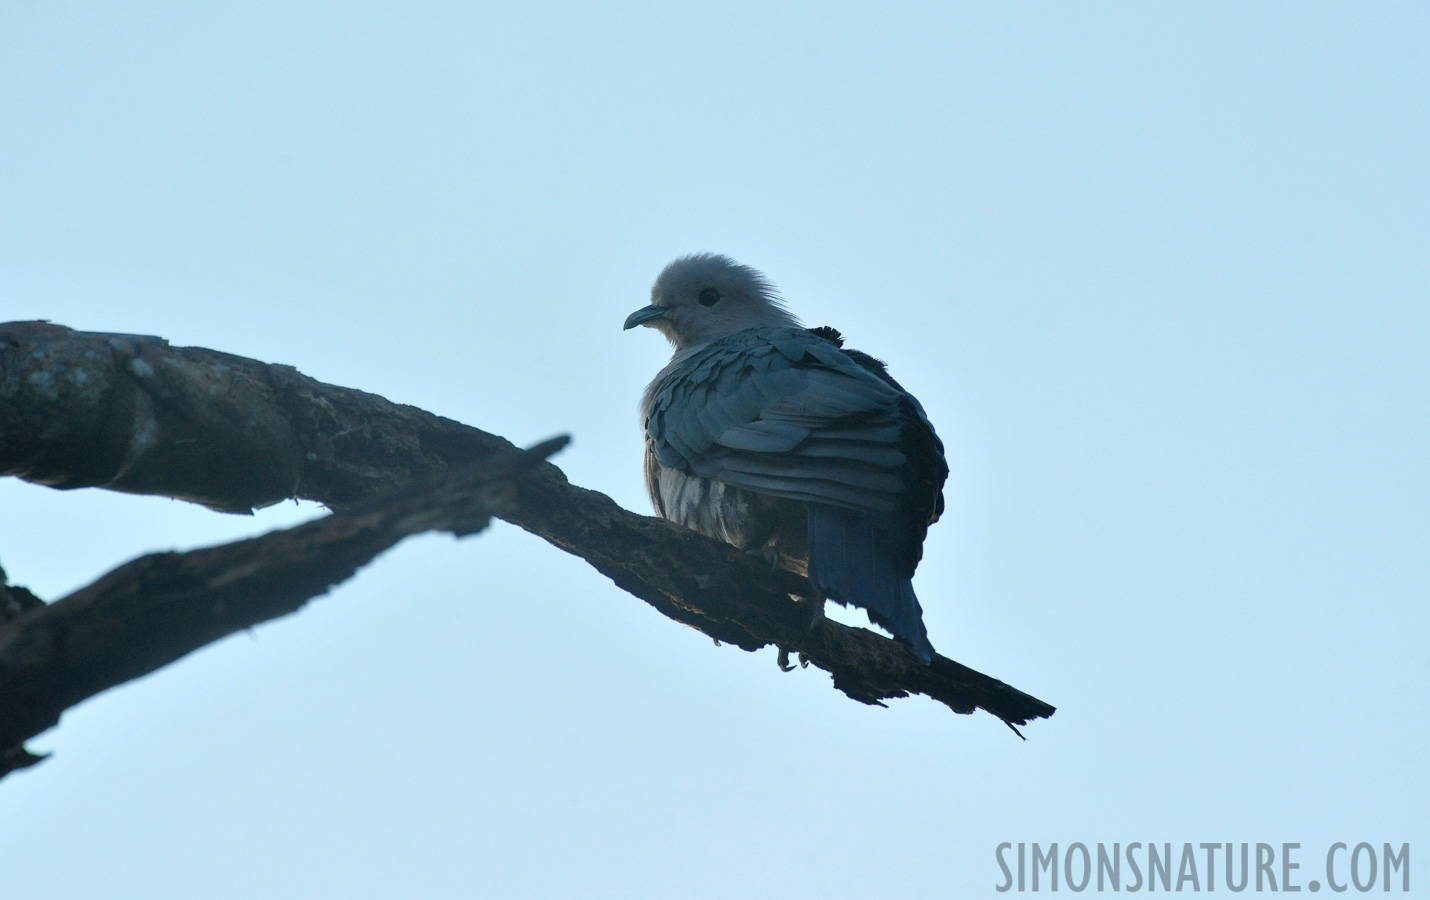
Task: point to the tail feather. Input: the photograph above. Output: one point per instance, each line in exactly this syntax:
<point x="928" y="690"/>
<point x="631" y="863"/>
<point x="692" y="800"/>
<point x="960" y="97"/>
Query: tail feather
<point x="852" y="561"/>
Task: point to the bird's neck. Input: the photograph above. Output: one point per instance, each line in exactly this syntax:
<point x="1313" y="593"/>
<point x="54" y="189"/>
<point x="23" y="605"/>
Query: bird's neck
<point x="718" y="330"/>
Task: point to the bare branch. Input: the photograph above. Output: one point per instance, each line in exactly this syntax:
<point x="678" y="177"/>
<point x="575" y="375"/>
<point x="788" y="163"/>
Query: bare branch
<point x="132" y="413"/>
<point x="158" y="608"/>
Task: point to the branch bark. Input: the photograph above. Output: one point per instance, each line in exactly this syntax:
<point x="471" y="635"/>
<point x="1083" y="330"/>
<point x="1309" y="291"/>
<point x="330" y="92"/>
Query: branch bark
<point x="132" y="413"/>
<point x="161" y="607"/>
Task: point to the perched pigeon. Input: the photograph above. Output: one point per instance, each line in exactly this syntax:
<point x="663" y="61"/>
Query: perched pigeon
<point x="776" y="439"/>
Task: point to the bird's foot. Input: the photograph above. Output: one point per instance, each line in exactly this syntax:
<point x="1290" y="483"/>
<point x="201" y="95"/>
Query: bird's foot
<point x="769" y="554"/>
<point x="816" y="614"/>
<point x="815" y="610"/>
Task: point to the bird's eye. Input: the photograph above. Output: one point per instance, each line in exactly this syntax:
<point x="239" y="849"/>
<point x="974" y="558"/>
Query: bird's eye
<point x="709" y="297"/>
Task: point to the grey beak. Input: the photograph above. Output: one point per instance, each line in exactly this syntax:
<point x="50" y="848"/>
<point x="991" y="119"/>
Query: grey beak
<point x="644" y="315"/>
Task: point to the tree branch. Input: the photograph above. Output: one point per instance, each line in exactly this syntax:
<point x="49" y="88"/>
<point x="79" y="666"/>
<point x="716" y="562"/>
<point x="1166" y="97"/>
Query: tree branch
<point x="132" y="413"/>
<point x="160" y="607"/>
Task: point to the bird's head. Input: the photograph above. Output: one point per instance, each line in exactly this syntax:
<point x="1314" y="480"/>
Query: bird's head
<point x="704" y="297"/>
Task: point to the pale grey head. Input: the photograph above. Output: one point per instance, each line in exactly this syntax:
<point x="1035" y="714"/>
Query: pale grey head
<point x="706" y="296"/>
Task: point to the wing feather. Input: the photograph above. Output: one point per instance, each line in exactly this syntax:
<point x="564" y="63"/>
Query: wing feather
<point x="784" y="412"/>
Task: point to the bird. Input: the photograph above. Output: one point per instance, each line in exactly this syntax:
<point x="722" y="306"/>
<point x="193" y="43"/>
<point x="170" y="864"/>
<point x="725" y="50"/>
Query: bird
<point x="778" y="440"/>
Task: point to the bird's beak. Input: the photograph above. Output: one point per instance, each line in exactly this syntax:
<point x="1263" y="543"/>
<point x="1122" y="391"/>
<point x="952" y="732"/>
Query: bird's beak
<point x="644" y="315"/>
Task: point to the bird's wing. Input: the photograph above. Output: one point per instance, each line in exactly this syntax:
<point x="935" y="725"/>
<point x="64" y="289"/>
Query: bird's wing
<point x="783" y="412"/>
<point x="927" y="469"/>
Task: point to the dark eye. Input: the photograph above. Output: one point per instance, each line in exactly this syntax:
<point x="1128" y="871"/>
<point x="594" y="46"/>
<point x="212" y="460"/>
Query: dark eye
<point x="709" y="297"/>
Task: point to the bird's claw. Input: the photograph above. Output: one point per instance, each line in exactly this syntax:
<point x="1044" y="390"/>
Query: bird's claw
<point x="767" y="553"/>
<point x="783" y="661"/>
<point x="816" y="615"/>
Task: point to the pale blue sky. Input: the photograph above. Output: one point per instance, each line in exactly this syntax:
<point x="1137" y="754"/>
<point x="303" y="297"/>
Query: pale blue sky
<point x="1158" y="272"/>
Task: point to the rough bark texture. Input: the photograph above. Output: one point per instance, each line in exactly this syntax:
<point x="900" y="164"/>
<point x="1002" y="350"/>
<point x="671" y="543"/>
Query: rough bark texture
<point x="160" y="607"/>
<point x="131" y="413"/>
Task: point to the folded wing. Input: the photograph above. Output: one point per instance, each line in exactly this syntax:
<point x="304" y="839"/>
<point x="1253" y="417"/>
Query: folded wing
<point x="786" y="413"/>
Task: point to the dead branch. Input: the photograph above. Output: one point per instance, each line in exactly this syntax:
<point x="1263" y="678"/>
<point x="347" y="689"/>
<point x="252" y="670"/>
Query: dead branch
<point x="132" y="413"/>
<point x="160" y="607"/>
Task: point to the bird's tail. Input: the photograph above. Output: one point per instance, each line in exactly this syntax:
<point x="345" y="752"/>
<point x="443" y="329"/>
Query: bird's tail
<point x="853" y="561"/>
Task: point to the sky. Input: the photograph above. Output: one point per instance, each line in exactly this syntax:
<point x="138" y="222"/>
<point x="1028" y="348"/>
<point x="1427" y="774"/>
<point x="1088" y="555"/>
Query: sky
<point x="1157" y="272"/>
